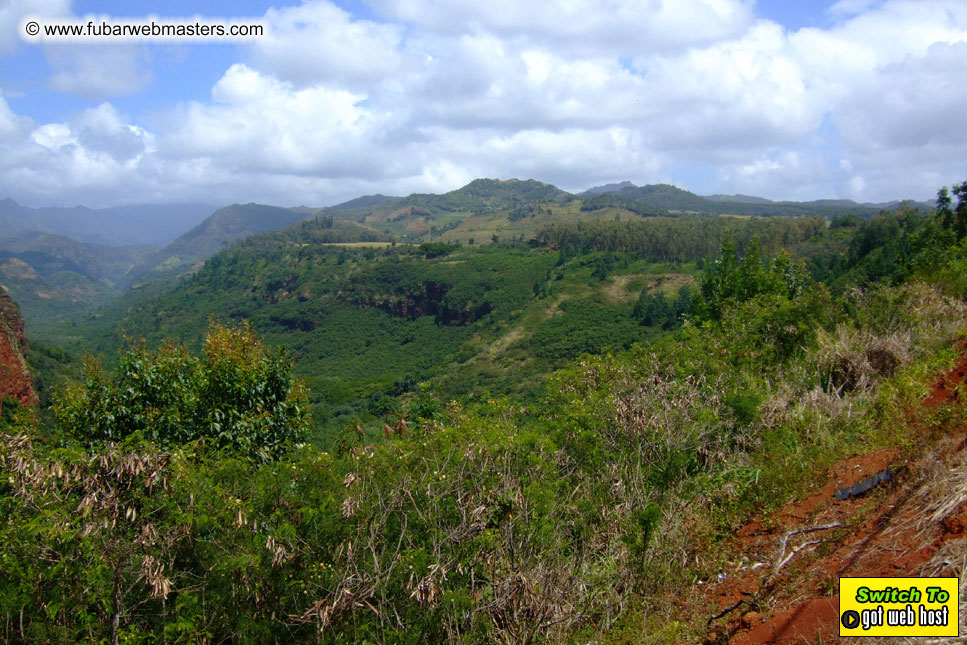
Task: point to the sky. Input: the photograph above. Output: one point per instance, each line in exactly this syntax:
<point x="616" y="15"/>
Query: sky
<point x="856" y="99"/>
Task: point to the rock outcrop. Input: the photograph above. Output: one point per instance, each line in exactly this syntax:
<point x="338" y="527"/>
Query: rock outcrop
<point x="15" y="378"/>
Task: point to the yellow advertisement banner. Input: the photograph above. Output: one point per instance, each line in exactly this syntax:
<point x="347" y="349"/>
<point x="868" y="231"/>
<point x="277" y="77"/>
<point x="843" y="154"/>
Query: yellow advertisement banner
<point x="898" y="607"/>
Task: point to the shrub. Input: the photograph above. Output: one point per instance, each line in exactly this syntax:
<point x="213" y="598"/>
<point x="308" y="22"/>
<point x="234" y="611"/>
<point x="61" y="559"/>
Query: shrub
<point x="238" y="395"/>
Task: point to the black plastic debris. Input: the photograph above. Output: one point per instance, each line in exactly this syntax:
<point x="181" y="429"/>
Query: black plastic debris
<point x="861" y="487"/>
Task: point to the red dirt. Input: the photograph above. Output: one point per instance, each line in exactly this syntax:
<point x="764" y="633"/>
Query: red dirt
<point x="15" y="378"/>
<point x="946" y="389"/>
<point x="884" y="534"/>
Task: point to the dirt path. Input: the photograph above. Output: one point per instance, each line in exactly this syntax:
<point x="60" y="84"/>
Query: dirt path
<point x="913" y="525"/>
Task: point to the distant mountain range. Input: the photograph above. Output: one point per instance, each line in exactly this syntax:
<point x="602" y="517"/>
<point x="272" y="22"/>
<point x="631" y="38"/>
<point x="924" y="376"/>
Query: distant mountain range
<point x="154" y="224"/>
<point x="486" y="208"/>
<point x="822" y="203"/>
<point x="673" y="198"/>
<point x="57" y="261"/>
<point x="218" y="230"/>
<point x="53" y="276"/>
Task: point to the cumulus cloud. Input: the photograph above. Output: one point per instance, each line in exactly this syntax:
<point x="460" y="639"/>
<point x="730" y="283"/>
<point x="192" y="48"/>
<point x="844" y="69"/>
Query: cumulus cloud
<point x="13" y="127"/>
<point x="319" y="42"/>
<point x="257" y="122"/>
<point x="95" y="156"/>
<point x="430" y="95"/>
<point x="617" y="27"/>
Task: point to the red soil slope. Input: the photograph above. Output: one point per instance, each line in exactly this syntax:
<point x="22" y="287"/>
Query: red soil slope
<point x="15" y="378"/>
<point x="913" y="525"/>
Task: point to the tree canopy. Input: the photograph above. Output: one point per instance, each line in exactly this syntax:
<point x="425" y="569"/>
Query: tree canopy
<point x="238" y="394"/>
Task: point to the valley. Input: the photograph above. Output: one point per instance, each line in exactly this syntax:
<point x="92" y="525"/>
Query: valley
<point x="543" y="430"/>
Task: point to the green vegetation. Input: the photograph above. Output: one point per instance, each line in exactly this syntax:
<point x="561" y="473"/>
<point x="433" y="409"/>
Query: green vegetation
<point x="517" y="210"/>
<point x="54" y="278"/>
<point x="611" y="200"/>
<point x="367" y="325"/>
<point x="540" y="442"/>
<point x="237" y="396"/>
<point x="682" y="239"/>
<point x="675" y="199"/>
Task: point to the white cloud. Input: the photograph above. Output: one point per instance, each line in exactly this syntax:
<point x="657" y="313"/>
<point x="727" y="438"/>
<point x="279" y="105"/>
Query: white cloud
<point x="615" y="27"/>
<point x="256" y="122"/>
<point x="330" y="107"/>
<point x="920" y="102"/>
<point x="13" y="127"/>
<point x="319" y="42"/>
<point x="13" y="11"/>
<point x="95" y="156"/>
<point x="739" y="95"/>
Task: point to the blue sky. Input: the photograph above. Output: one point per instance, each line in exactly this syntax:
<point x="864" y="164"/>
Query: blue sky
<point x="852" y="99"/>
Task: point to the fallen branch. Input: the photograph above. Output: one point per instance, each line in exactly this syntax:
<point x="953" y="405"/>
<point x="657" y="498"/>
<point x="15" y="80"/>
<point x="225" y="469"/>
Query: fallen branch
<point x="794" y="552"/>
<point x="782" y="559"/>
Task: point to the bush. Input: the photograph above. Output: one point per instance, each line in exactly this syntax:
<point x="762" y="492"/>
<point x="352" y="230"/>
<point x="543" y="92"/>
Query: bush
<point x="238" y="395"/>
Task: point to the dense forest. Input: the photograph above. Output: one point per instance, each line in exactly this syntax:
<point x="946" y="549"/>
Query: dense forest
<point x="535" y="440"/>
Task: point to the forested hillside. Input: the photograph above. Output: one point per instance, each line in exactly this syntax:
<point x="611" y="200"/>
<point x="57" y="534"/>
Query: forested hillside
<point x="56" y="277"/>
<point x="372" y="325"/>
<point x="549" y="439"/>
<point x="53" y="277"/>
<point x="513" y="209"/>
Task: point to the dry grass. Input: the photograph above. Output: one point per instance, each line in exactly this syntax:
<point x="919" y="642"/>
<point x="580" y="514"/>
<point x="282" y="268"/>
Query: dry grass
<point x="856" y="360"/>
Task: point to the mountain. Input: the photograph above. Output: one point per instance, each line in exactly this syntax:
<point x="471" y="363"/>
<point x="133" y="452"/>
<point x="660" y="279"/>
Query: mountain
<point x="607" y="188"/>
<point x="674" y="199"/>
<point x="53" y="277"/>
<point x="739" y="198"/>
<point x="488" y="209"/>
<point x="665" y="196"/>
<point x="219" y="230"/>
<point x="154" y="224"/>
<point x="423" y="216"/>
<point x="363" y="202"/>
<point x="15" y="381"/>
<point x="490" y="195"/>
<point x="49" y="254"/>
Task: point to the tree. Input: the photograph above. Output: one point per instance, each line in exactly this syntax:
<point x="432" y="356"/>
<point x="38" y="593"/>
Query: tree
<point x="944" y="210"/>
<point x="239" y="395"/>
<point x="730" y="280"/>
<point x="655" y="310"/>
<point x="960" y="221"/>
<point x="954" y="219"/>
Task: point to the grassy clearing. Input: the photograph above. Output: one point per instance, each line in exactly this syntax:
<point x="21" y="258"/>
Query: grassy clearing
<point x="364" y="245"/>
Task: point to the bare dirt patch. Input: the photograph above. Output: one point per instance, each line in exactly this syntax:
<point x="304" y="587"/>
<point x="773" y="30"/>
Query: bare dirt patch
<point x="784" y="587"/>
<point x="624" y="288"/>
<point x="15" y="268"/>
<point x="949" y="387"/>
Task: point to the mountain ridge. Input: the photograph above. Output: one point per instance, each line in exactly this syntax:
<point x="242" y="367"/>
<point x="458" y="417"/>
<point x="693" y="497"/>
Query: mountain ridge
<point x="155" y="224"/>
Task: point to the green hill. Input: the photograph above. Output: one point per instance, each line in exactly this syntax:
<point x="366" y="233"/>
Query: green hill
<point x="674" y="199"/>
<point x="488" y="209"/>
<point x="219" y="230"/>
<point x="421" y="217"/>
<point x="371" y="323"/>
<point x="520" y="442"/>
<point x="54" y="277"/>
